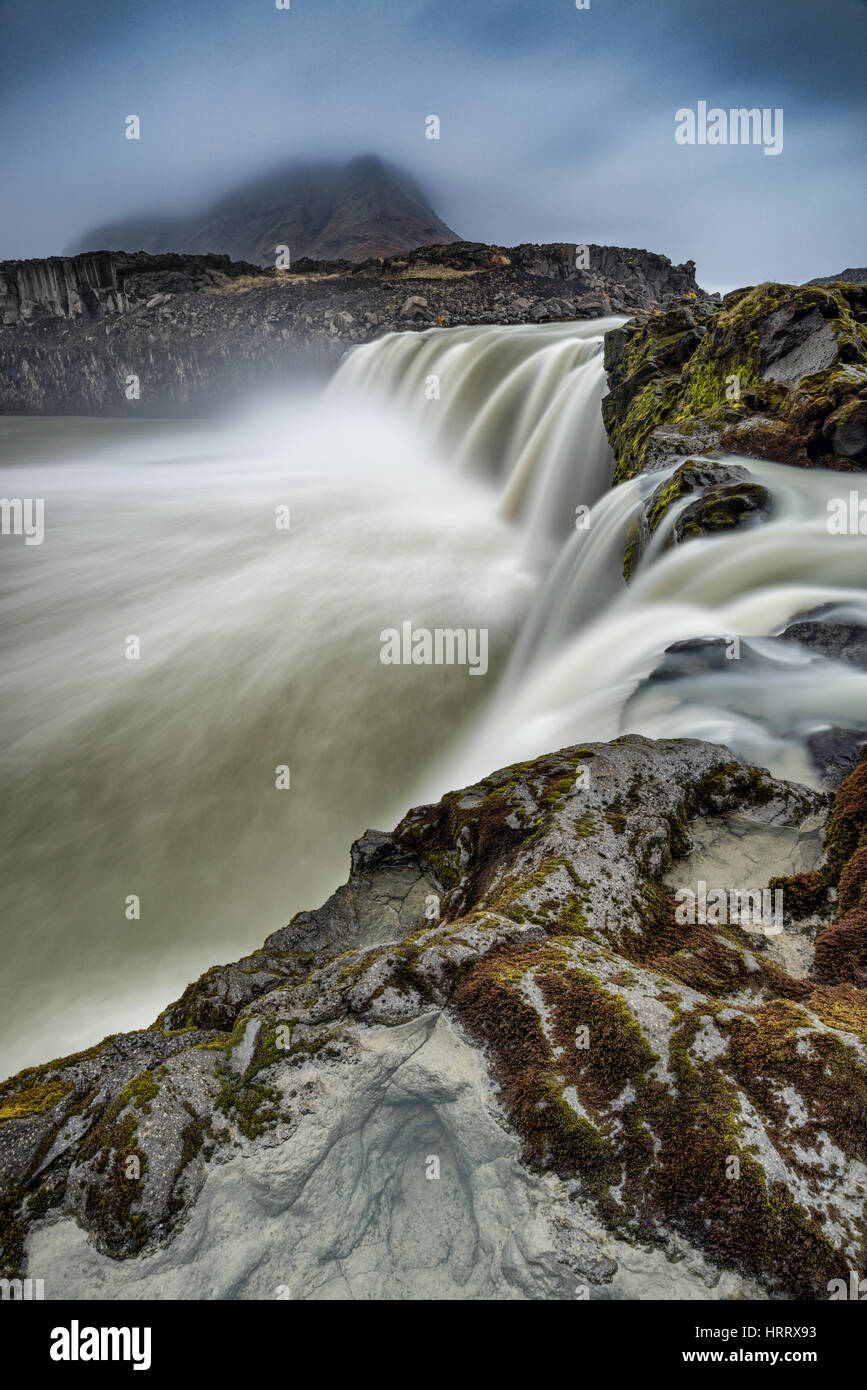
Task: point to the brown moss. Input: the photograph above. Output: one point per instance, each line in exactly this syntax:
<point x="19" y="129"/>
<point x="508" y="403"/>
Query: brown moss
<point x="667" y="1155"/>
<point x="492" y="1011"/>
<point x="618" y="1051"/>
<point x="841" y="949"/>
<point x="767" y="1051"/>
<point x="110" y="1201"/>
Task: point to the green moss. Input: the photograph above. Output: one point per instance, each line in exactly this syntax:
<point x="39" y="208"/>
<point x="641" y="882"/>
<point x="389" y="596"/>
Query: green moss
<point x="33" y="1076"/>
<point x="142" y="1091"/>
<point x="446" y="867"/>
<point x="34" y="1100"/>
<point x="44" y="1200"/>
<point x="707" y="387"/>
<point x="618" y="1051"/>
<point x="217" y="1044"/>
<point x="253" y="1105"/>
<point x="633" y="551"/>
<point x="572" y="1144"/>
<point x="558" y="913"/>
<point x="556" y="791"/>
<point x="674" y="369"/>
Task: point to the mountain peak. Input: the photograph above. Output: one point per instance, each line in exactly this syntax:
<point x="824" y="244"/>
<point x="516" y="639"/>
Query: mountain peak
<point x="325" y="210"/>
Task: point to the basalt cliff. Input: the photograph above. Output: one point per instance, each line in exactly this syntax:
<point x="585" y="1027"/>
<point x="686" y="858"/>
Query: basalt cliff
<point x="199" y="331"/>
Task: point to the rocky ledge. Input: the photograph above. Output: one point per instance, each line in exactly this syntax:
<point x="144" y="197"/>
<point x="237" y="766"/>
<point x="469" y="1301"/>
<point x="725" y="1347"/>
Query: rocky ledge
<point x="775" y="372"/>
<point x="498" y="1062"/>
<point x="198" y="330"/>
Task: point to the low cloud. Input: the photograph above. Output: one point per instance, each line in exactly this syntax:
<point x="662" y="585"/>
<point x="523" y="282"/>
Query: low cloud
<point x="557" y="124"/>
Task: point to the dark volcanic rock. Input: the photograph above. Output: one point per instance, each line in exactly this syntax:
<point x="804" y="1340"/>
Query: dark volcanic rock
<point x="836" y="753"/>
<point x="839" y="641"/>
<point x="101" y="284"/>
<point x="848" y="277"/>
<point x="199" y="331"/>
<point x="776" y="372"/>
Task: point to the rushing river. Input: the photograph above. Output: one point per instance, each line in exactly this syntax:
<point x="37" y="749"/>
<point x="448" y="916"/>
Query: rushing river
<point x="435" y="483"/>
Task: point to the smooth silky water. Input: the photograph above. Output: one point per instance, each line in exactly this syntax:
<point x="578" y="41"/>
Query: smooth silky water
<point x="436" y="480"/>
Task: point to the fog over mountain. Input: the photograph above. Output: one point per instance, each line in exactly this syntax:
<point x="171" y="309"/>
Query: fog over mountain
<point x="321" y="209"/>
<point x="557" y="124"/>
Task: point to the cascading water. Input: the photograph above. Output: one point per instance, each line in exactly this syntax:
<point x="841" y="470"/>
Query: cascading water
<point x="436" y="482"/>
<point x="520" y="406"/>
<point x="580" y="665"/>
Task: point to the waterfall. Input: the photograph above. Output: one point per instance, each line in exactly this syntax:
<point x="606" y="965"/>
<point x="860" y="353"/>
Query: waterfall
<point x="580" y="667"/>
<point x="519" y="406"/>
<point x="586" y="577"/>
<point x="436" y="481"/>
<point x="259" y="647"/>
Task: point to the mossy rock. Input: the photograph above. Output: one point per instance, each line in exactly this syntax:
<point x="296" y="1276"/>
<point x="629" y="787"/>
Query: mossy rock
<point x="776" y="371"/>
<point x="725" y="499"/>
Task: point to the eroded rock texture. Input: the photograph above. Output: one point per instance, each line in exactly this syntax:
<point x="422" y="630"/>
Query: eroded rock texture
<point x="614" y="1100"/>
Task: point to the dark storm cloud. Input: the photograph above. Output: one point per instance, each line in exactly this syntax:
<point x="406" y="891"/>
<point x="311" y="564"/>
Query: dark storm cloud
<point x="557" y="124"/>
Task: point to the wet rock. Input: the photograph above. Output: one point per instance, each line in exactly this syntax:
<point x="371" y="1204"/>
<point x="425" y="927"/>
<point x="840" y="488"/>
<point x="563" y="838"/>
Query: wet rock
<point x="724" y="498"/>
<point x="838" y="641"/>
<point x="723" y="509"/>
<point x="435" y="1009"/>
<point x="846" y="430"/>
<point x="836" y="753"/>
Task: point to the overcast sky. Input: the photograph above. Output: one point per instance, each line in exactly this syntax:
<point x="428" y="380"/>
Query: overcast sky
<point x="557" y="124"/>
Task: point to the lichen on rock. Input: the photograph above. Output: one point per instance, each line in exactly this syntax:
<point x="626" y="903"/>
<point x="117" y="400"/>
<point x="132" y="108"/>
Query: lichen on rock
<point x="549" y="1031"/>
